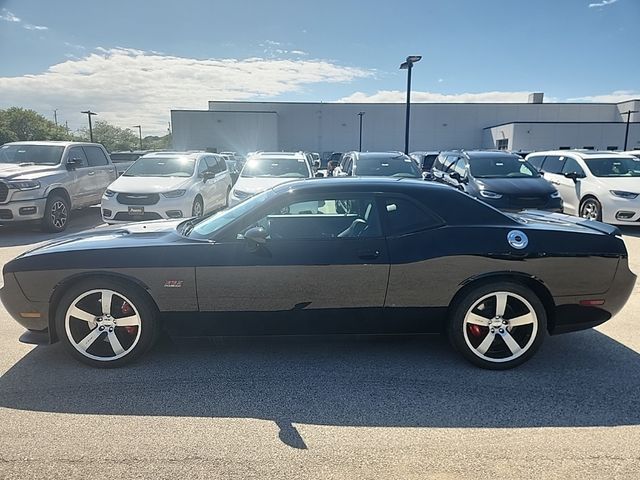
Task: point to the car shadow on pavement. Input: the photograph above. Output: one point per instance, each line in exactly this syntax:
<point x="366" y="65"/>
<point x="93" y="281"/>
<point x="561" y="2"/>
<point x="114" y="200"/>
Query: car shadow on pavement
<point x="13" y="235"/>
<point x="630" y="231"/>
<point x="581" y="379"/>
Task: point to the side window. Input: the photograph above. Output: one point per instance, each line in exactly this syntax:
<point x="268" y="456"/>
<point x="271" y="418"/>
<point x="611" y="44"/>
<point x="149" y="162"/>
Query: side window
<point x="95" y="156"/>
<point x="202" y="167"/>
<point x="449" y="161"/>
<point x="403" y="217"/>
<point x="222" y="165"/>
<point x="77" y="154"/>
<point x="571" y="166"/>
<point x="460" y="168"/>
<point x="553" y="164"/>
<point x="536" y="162"/>
<point x="322" y="218"/>
<point x="212" y="164"/>
<point x="348" y="166"/>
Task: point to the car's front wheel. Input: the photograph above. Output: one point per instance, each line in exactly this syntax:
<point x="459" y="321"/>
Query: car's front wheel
<point x="498" y="326"/>
<point x="106" y="322"/>
<point x="591" y="209"/>
<point x="56" y="213"/>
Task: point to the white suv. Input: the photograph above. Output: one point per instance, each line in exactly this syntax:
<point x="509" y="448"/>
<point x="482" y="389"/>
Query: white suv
<point x="265" y="170"/>
<point x="168" y="185"/>
<point x="595" y="185"/>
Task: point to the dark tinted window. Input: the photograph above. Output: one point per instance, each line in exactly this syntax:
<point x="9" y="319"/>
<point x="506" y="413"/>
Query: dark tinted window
<point x="124" y="157"/>
<point x="614" y="167"/>
<point x="403" y="216"/>
<point x="95" y="156"/>
<point x="427" y="161"/>
<point x="536" y="161"/>
<point x="571" y="166"/>
<point x="501" y="167"/>
<point x="77" y="154"/>
<point x="222" y="164"/>
<point x="553" y="164"/>
<point x="391" y="166"/>
<point x="214" y="164"/>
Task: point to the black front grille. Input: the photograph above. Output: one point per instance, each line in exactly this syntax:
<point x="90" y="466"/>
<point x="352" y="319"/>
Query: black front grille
<point x="6" y="214"/>
<point x="125" y="217"/>
<point x="4" y="191"/>
<point x="138" y="198"/>
<point x="527" y="202"/>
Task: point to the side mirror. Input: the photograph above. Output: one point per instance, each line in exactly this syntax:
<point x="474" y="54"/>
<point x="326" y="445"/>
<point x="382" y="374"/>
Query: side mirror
<point x="316" y="163"/>
<point x="208" y="175"/>
<point x="72" y="163"/>
<point x="574" y="175"/>
<point x="319" y="175"/>
<point x="257" y="235"/>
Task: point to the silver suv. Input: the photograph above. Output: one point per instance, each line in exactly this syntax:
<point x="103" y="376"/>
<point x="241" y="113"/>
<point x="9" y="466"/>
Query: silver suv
<point x="46" y="180"/>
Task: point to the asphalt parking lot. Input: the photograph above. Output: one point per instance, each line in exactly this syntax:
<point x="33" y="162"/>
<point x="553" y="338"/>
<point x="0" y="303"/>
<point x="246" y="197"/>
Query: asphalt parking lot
<point x="323" y="407"/>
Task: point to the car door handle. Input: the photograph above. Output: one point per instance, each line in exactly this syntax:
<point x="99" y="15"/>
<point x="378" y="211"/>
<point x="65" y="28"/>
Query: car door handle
<point x="91" y="173"/>
<point x="368" y="254"/>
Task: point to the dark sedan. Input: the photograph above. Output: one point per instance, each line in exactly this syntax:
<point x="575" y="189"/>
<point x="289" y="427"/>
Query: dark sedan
<point x="501" y="179"/>
<point x="410" y="256"/>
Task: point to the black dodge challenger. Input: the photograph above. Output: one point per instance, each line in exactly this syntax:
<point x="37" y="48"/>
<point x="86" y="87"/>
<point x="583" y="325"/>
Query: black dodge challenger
<point x="358" y="255"/>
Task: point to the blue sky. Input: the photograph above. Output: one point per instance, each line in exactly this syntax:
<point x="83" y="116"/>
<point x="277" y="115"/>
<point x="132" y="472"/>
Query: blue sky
<point x="133" y="61"/>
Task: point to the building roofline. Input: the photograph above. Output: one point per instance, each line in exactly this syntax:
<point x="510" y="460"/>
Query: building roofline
<point x="558" y="123"/>
<point x="222" y="111"/>
<point x="417" y="103"/>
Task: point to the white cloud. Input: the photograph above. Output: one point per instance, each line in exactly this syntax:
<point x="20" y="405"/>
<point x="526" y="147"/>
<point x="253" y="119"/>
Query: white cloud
<point x="399" y="96"/>
<point x="7" y="16"/>
<point x="603" y="3"/>
<point x="28" y="26"/>
<point x="129" y="87"/>
<point x="613" y="97"/>
<point x="298" y="52"/>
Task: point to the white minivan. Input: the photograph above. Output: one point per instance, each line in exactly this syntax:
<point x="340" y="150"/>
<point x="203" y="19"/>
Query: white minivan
<point x="595" y="185"/>
<point x="168" y="185"/>
<point x="264" y="170"/>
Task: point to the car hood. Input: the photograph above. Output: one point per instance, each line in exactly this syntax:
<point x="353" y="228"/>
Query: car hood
<point x="626" y="184"/>
<point x="254" y="185"/>
<point x="140" y="234"/>
<point x="148" y="184"/>
<point x="13" y="171"/>
<point x="516" y="186"/>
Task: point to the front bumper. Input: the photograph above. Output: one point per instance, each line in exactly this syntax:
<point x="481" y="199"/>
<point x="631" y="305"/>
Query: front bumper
<point x="22" y="210"/>
<point x="114" y="212"/>
<point x="621" y="211"/>
<point x="31" y="315"/>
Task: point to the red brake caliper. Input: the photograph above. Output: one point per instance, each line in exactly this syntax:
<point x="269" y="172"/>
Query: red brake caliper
<point x="126" y="311"/>
<point x="475" y="330"/>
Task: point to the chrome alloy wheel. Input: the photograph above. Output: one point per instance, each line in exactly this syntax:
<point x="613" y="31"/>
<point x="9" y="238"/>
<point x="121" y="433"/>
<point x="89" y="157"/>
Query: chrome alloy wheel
<point x="590" y="210"/>
<point x="103" y="325"/>
<point x="59" y="214"/>
<point x="500" y="327"/>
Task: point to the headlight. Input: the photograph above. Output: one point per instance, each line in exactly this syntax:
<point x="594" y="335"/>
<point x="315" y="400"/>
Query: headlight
<point x="555" y="194"/>
<point x="25" y="184"/>
<point x="623" y="194"/>
<point x="240" y="194"/>
<point x="109" y="193"/>
<point x="488" y="194"/>
<point x="174" y="193"/>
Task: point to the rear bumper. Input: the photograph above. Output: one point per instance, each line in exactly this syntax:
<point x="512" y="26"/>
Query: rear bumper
<point x="571" y="316"/>
<point x="31" y="315"/>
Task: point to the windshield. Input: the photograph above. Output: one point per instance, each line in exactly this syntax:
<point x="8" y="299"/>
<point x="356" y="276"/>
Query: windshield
<point x="161" y="167"/>
<point x="502" y="167"/>
<point x="276" y="167"/>
<point x="124" y="157"/>
<point x="614" y="167"/>
<point x="211" y="225"/>
<point x="392" y="166"/>
<point x="31" y="154"/>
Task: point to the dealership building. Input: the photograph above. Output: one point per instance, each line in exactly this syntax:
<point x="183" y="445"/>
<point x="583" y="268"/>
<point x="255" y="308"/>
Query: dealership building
<point x="326" y="127"/>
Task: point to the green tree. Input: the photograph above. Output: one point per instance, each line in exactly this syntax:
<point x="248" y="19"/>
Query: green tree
<point x="22" y="124"/>
<point x="153" y="142"/>
<point x="113" y="138"/>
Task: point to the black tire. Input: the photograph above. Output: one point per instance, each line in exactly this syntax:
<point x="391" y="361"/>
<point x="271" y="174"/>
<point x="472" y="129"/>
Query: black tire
<point x="529" y="337"/>
<point x="591" y="209"/>
<point x="141" y="340"/>
<point x="197" y="204"/>
<point x="56" y="213"/>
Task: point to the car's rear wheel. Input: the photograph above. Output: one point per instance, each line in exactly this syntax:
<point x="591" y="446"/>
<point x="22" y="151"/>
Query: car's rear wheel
<point x="56" y="213"/>
<point x="498" y="326"/>
<point x="198" y="207"/>
<point x="106" y="322"/>
<point x="591" y="209"/>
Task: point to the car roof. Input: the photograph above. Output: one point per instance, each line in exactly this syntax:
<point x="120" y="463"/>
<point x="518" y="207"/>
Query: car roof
<point x="57" y="143"/>
<point x="471" y="154"/>
<point x="421" y="152"/>
<point x="365" y="184"/>
<point x="299" y="155"/>
<point x="585" y="154"/>
<point x="374" y="155"/>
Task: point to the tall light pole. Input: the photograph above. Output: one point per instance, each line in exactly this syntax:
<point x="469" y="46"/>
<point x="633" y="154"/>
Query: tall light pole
<point x="139" y="127"/>
<point x="55" y="116"/>
<point x="626" y="132"/>
<point x="89" y="114"/>
<point x="408" y="66"/>
<point x="360" y="114"/>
